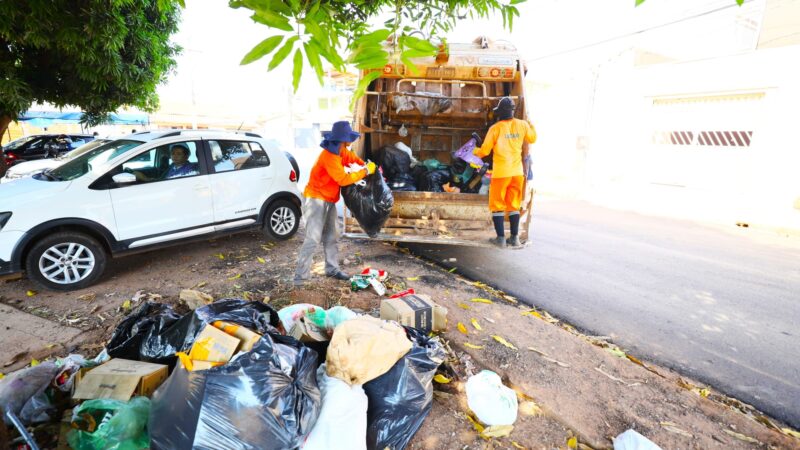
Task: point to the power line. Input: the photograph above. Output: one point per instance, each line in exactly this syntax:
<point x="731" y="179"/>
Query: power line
<point x="634" y="33"/>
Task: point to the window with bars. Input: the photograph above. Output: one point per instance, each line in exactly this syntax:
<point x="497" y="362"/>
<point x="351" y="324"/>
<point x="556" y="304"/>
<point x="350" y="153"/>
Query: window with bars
<point x="710" y="138"/>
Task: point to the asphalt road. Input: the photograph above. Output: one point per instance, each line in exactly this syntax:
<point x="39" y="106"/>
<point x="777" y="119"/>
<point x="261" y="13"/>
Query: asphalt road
<point x="721" y="305"/>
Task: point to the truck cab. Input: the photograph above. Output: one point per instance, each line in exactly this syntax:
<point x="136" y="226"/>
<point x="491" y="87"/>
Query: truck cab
<point x="434" y="111"/>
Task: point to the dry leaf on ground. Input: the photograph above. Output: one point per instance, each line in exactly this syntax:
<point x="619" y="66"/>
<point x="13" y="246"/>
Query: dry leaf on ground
<point x="462" y="328"/>
<point x="472" y="346"/>
<point x="673" y="428"/>
<point x="481" y="300"/>
<point x="742" y="437"/>
<point x="475" y="324"/>
<point x="501" y="340"/>
<point x="497" y="431"/>
<point x="441" y="379"/>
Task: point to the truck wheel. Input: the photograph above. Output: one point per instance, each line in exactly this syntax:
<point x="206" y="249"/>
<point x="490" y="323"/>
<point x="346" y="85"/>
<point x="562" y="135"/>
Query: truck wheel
<point x="66" y="261"/>
<point x="281" y="220"/>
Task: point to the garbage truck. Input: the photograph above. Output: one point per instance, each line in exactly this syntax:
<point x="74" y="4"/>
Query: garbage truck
<point x="433" y="111"/>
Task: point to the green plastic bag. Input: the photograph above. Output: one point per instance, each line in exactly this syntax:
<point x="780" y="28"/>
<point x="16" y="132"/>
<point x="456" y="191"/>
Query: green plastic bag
<point x="105" y="424"/>
<point x="331" y="318"/>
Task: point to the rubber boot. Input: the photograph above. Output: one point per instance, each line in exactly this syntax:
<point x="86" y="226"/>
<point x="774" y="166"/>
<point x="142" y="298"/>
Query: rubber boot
<point x="513" y="241"/>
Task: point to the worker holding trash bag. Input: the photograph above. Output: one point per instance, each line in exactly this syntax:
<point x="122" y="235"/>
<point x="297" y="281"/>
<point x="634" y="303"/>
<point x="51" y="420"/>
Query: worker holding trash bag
<point x="336" y="166"/>
<point x="505" y="140"/>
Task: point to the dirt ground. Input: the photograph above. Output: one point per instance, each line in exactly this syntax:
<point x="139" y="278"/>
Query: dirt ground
<point x="575" y="391"/>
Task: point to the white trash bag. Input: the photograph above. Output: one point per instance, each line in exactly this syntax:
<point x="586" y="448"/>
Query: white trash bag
<point x="342" y="422"/>
<point x="492" y="403"/>
<point x="631" y="440"/>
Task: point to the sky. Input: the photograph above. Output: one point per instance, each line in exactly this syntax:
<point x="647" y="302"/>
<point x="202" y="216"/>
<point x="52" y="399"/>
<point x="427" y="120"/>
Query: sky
<point x="215" y="37"/>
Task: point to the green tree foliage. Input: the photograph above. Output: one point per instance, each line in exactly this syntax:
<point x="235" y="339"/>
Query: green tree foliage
<point x="325" y="30"/>
<point x="98" y="55"/>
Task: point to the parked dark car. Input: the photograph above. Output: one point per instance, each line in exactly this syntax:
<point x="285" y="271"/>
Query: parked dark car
<point x="42" y="146"/>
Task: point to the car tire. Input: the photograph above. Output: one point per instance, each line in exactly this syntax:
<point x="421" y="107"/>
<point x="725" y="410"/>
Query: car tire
<point x="281" y="220"/>
<point x="66" y="261"/>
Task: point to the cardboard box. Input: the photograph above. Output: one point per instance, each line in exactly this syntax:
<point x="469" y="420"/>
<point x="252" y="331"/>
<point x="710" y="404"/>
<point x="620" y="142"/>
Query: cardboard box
<point x="120" y="379"/>
<point x="248" y="337"/>
<point x="214" y="345"/>
<point x="417" y="311"/>
<point x="305" y="331"/>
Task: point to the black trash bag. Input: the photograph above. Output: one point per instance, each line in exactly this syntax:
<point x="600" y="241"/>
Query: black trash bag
<point x="401" y="399"/>
<point x="149" y="318"/>
<point x="155" y="333"/>
<point x="394" y="162"/>
<point x="267" y="398"/>
<point x="370" y="204"/>
<point x="402" y="182"/>
<point x="434" y="180"/>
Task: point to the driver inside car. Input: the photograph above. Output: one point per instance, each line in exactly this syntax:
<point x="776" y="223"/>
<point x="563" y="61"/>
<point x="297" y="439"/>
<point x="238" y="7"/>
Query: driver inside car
<point x="180" y="167"/>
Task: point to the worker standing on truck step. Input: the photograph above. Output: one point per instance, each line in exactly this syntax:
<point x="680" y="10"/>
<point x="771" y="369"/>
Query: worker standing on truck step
<point x="321" y="195"/>
<point x="504" y="140"/>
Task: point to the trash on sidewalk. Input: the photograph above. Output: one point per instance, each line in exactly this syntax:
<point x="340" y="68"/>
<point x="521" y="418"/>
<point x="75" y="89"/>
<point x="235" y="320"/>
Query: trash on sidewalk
<point x="342" y="421"/>
<point x="631" y="440"/>
<point x="266" y="398"/>
<point x="195" y="299"/>
<point x="491" y="401"/>
<point x="306" y="331"/>
<point x="289" y="314"/>
<point x="364" y="348"/>
<point x="331" y="318"/>
<point x="417" y="311"/>
<point x="370" y="204"/>
<point x="155" y="333"/>
<point x="103" y="424"/>
<point x="120" y="379"/>
<point x="310" y="323"/>
<point x="214" y="345"/>
<point x="369" y="277"/>
<point x="22" y="392"/>
<point x="247" y="337"/>
<point x="401" y="399"/>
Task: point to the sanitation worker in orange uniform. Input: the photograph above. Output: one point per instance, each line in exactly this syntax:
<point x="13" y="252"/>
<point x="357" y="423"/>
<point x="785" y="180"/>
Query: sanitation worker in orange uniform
<point x="321" y="195"/>
<point x="504" y="140"/>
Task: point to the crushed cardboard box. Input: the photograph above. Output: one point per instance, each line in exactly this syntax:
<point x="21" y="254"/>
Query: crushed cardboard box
<point x="120" y="379"/>
<point x="415" y="310"/>
<point x="248" y="337"/>
<point x="214" y="345"/>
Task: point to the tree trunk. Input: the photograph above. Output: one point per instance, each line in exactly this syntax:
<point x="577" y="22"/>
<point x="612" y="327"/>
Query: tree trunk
<point x="5" y="120"/>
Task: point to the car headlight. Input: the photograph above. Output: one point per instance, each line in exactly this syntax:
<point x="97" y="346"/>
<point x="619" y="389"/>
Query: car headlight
<point x="4" y="216"/>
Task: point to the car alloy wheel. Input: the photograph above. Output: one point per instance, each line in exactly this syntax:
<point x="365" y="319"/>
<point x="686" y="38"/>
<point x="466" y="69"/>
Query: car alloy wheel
<point x="66" y="263"/>
<point x="282" y="220"/>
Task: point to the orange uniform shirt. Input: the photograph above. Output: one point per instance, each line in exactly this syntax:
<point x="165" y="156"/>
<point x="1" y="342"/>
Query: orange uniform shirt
<point x="505" y="139"/>
<point x="328" y="174"/>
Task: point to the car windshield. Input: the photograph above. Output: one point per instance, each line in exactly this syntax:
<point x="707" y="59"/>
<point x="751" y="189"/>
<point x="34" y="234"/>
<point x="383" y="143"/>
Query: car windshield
<point x="19" y="142"/>
<point x="81" y="165"/>
<point x="84" y="148"/>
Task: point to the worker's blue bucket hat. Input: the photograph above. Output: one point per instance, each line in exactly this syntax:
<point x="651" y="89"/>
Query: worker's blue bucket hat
<point x="341" y="132"/>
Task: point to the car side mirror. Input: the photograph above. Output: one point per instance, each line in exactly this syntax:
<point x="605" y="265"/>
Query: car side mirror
<point x="124" y="178"/>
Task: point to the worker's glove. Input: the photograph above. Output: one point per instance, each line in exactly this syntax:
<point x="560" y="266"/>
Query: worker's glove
<point x="370" y="168"/>
<point x="478" y="140"/>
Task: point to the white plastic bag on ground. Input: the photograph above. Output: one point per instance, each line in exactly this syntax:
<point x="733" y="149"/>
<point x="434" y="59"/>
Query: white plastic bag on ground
<point x="492" y="403"/>
<point x="342" y="422"/>
<point x="631" y="440"/>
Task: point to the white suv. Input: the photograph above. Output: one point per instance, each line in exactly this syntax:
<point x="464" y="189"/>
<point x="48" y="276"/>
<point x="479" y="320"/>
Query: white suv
<point x="142" y="192"/>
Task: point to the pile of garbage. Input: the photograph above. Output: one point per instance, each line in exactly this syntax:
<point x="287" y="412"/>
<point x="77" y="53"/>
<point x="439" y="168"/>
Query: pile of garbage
<point x="466" y="173"/>
<point x="239" y="374"/>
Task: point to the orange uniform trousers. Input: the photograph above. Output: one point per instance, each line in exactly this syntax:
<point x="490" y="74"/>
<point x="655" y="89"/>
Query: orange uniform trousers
<point x="505" y="194"/>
